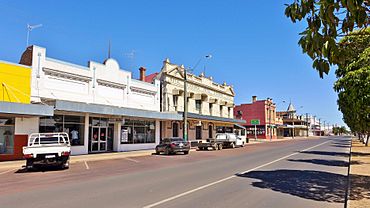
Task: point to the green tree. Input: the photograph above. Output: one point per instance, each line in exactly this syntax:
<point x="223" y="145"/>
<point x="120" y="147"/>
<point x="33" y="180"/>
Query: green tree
<point x="328" y="21"/>
<point x="353" y="84"/>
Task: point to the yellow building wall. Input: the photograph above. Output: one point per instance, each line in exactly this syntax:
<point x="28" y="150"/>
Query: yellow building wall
<point x="15" y="83"/>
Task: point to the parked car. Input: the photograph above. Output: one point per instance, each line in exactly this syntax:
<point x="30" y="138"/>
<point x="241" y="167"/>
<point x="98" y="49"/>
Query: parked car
<point x="221" y="141"/>
<point x="172" y="145"/>
<point x="47" y="149"/>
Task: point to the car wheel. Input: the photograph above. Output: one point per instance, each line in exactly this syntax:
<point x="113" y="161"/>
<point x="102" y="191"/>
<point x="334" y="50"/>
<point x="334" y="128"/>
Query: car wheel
<point x="29" y="165"/>
<point x="65" y="165"/>
<point x="232" y="145"/>
<point x="157" y="152"/>
<point x="220" y="147"/>
<point x="167" y="151"/>
<point x="186" y="152"/>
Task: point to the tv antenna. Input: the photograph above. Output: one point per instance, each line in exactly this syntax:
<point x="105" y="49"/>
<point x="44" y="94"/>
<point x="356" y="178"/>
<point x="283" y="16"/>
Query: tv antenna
<point x="29" y="29"/>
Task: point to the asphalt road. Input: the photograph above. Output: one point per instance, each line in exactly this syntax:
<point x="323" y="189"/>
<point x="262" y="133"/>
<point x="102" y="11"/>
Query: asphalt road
<point x="296" y="173"/>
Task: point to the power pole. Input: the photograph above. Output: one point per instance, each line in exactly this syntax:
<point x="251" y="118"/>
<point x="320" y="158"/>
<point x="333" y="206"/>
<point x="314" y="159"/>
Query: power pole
<point x="307" y="123"/>
<point x="185" y="130"/>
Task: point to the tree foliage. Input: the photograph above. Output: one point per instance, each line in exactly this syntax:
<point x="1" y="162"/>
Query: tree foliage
<point x="327" y="20"/>
<point x="353" y="84"/>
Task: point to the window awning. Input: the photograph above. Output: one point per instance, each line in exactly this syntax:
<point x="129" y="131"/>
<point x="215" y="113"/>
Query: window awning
<point x="26" y="109"/>
<point x="62" y="105"/>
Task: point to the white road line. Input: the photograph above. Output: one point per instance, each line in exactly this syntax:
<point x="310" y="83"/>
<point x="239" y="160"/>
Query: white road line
<point x="1" y="173"/>
<point x="132" y="160"/>
<point x="87" y="166"/>
<point x="227" y="178"/>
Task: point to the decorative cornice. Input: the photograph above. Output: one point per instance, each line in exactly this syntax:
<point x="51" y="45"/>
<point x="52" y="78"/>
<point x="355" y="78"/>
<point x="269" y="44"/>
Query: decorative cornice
<point x="143" y="91"/>
<point x="111" y="84"/>
<point x="66" y="75"/>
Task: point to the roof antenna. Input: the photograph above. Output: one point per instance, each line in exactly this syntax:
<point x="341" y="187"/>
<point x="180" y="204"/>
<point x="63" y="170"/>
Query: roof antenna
<point x="109" y="46"/>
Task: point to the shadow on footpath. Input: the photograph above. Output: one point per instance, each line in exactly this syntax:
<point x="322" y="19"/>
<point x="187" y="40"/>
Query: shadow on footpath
<point x="313" y="185"/>
<point x="337" y="163"/>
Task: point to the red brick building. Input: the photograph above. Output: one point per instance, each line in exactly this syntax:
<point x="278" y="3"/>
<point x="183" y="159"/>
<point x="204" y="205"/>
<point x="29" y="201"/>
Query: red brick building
<point x="264" y="111"/>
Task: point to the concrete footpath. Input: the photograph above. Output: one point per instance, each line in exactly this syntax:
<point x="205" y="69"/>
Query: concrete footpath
<point x="359" y="192"/>
<point x="119" y="155"/>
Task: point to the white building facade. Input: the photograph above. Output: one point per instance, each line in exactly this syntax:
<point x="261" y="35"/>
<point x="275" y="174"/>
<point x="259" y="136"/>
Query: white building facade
<point x="100" y="106"/>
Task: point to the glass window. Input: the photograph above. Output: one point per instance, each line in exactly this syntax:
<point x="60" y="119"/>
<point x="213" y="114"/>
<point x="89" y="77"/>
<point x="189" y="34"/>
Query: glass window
<point x="7" y="135"/>
<point x="198" y="106"/>
<point x="175" y="101"/>
<point x="210" y="108"/>
<point x="137" y="132"/>
<point x="74" y="126"/>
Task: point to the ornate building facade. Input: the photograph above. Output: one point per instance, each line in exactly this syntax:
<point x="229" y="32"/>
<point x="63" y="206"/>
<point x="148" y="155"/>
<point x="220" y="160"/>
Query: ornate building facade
<point x="210" y="105"/>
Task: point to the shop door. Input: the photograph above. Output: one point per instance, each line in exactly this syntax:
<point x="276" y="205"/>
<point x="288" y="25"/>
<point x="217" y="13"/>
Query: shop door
<point x="99" y="139"/>
<point x="110" y="137"/>
<point x="198" y="132"/>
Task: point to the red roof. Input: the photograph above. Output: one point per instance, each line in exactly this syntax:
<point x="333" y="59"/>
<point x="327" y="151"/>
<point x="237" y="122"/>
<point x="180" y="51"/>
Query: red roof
<point x="150" y="77"/>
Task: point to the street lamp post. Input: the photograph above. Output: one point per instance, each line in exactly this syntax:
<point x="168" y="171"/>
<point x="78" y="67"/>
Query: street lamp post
<point x="185" y="116"/>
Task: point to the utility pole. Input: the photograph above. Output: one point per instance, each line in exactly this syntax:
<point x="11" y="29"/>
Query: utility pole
<point x="185" y="130"/>
<point x="320" y="125"/>
<point x="324" y="127"/>
<point x="307" y="123"/>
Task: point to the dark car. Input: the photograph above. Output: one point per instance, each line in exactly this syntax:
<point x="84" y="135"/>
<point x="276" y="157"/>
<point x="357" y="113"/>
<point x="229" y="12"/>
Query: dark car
<point x="172" y="146"/>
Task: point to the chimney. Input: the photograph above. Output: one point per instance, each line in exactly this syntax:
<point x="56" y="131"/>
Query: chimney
<point x="254" y="98"/>
<point x="142" y="73"/>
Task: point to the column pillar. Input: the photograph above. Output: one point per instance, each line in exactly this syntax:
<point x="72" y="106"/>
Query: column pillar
<point x="86" y="133"/>
<point x="117" y="137"/>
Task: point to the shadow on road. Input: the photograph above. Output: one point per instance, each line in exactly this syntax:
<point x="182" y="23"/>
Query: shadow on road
<point x="339" y="154"/>
<point x="313" y="185"/>
<point x="40" y="169"/>
<point x="341" y="145"/>
<point x="308" y="184"/>
<point x="337" y="163"/>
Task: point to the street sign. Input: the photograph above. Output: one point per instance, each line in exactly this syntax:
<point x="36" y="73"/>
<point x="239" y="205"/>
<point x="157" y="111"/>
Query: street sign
<point x="255" y="122"/>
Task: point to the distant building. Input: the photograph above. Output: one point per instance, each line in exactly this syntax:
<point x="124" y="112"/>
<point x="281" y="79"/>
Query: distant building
<point x="262" y="110"/>
<point x="293" y="124"/>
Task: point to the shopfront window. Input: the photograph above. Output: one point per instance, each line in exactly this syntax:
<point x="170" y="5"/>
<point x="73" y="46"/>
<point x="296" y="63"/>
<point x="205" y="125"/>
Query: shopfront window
<point x="72" y="125"/>
<point x="137" y="132"/>
<point x="7" y="135"/>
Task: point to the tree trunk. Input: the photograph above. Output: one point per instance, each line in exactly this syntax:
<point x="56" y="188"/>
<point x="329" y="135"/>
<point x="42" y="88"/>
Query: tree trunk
<point x="367" y="140"/>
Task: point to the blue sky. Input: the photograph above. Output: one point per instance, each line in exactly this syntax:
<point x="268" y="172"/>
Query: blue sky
<point x="253" y="45"/>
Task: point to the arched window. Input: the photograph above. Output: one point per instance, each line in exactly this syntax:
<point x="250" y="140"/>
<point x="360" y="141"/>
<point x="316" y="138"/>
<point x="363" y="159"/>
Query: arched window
<point x="210" y="131"/>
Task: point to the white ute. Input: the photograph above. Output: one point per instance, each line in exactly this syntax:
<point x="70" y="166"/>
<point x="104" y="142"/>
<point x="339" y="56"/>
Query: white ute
<point x="47" y="149"/>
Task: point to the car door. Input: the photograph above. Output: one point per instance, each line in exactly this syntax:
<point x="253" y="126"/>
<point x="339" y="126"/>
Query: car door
<point x="162" y="145"/>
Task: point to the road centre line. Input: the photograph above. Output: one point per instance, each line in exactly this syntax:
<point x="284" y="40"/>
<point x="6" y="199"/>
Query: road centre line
<point x="1" y="173"/>
<point x="87" y="166"/>
<point x="132" y="160"/>
<point x="227" y="178"/>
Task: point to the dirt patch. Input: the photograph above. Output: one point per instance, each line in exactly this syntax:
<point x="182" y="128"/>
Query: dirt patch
<point x="359" y="196"/>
